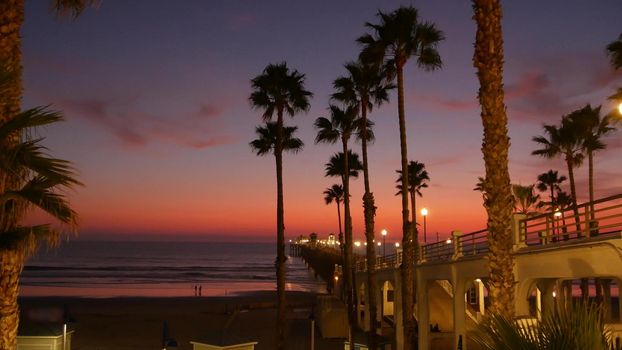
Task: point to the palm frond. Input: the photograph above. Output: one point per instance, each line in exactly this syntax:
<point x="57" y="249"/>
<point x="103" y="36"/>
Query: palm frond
<point x="29" y="118"/>
<point x="28" y="238"/>
<point x="39" y="191"/>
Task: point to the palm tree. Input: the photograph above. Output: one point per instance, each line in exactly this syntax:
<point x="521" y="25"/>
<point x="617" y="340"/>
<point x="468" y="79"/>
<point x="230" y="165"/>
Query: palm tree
<point x="418" y="180"/>
<point x="335" y="194"/>
<point x="525" y="200"/>
<point x="564" y="141"/>
<point x="614" y="50"/>
<point x="275" y="139"/>
<point x="279" y="90"/>
<point x="11" y="20"/>
<point x="38" y="182"/>
<point x="399" y="36"/>
<point x="341" y="126"/>
<point x="550" y="181"/>
<point x="592" y="127"/>
<point x="488" y="60"/>
<point x="364" y="86"/>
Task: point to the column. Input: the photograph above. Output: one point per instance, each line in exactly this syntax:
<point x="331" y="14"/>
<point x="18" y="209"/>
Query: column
<point x="397" y="310"/>
<point x="423" y="314"/>
<point x="480" y="296"/>
<point x="459" y="312"/>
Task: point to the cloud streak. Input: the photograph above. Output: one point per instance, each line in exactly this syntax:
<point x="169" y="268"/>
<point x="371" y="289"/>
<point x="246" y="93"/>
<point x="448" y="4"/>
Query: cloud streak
<point x="134" y="128"/>
<point x="544" y="91"/>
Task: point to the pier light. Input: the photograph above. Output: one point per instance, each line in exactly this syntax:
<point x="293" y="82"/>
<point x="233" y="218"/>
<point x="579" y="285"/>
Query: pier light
<point x="379" y="244"/>
<point x="397" y="244"/>
<point x="357" y="243"/>
<point x="554" y="294"/>
<point x="424" y="213"/>
<point x="384" y="237"/>
<point x="365" y="243"/>
<point x="478" y="280"/>
<point x="557" y="213"/>
<point x="336" y="278"/>
<point x="620" y="108"/>
<point x="448" y="241"/>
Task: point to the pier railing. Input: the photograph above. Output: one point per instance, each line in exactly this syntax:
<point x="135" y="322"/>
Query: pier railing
<point x="601" y="219"/>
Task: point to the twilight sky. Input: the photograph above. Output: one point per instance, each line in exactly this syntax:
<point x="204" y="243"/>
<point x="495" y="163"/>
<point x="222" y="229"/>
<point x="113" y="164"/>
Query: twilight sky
<point x="158" y="122"/>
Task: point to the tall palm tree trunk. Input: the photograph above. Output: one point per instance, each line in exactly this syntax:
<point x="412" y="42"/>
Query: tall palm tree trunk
<point x="590" y="162"/>
<point x="348" y="261"/>
<point x="573" y="193"/>
<point x="280" y="236"/>
<point x="488" y="60"/>
<point x="409" y="242"/>
<point x="413" y="214"/>
<point x="339" y="220"/>
<point x="10" y="269"/>
<point x="11" y="20"/>
<point x="369" y="212"/>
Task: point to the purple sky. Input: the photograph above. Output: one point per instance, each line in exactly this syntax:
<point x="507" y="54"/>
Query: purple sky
<point x="158" y="121"/>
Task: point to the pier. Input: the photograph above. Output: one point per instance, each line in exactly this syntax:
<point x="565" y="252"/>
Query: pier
<point x="552" y="252"/>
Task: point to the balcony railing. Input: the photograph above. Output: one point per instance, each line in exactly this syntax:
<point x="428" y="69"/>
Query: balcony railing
<point x="599" y="219"/>
<point x="602" y="217"/>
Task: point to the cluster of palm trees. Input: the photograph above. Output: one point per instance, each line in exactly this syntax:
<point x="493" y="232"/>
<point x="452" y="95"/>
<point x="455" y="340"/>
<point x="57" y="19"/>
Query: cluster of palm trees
<point x="399" y="36"/>
<point x="578" y="136"/>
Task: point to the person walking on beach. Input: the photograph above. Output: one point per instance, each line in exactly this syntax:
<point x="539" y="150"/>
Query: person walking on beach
<point x="200" y="287"/>
<point x="195" y="290"/>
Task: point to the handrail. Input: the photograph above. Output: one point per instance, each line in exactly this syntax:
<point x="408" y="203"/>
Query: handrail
<point x="602" y="217"/>
<point x="473" y="243"/>
<point x="597" y="218"/>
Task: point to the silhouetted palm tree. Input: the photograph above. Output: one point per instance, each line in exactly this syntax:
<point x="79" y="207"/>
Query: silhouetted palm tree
<point x="592" y="127"/>
<point x="364" y="86"/>
<point x="488" y="60"/>
<point x="563" y="141"/>
<point x="525" y="200"/>
<point x="335" y="194"/>
<point x="278" y="91"/>
<point x="614" y="50"/>
<point x="39" y="183"/>
<point x="418" y="179"/>
<point x="341" y="126"/>
<point x="268" y="139"/>
<point x="550" y="181"/>
<point x="399" y="36"/>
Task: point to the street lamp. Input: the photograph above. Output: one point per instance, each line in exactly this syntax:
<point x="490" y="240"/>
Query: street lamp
<point x="384" y="237"/>
<point x="424" y="213"/>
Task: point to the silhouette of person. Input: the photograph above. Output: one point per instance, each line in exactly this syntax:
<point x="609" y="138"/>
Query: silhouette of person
<point x="195" y="290"/>
<point x="200" y="287"/>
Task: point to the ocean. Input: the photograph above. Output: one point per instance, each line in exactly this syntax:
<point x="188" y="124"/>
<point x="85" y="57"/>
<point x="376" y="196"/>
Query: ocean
<point x="160" y="269"/>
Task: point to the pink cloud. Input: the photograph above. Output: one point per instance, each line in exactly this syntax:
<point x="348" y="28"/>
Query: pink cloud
<point x="135" y="128"/>
<point x="210" y="110"/>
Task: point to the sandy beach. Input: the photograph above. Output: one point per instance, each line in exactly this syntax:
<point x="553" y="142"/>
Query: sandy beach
<point x="136" y="323"/>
